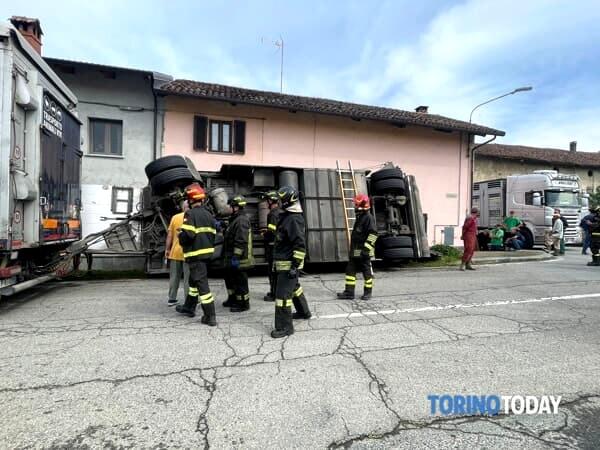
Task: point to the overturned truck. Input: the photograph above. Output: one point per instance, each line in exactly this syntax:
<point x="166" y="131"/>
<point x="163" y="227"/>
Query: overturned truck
<point x="326" y="199"/>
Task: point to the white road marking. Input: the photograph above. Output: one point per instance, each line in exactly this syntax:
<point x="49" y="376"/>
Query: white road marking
<point x="455" y="306"/>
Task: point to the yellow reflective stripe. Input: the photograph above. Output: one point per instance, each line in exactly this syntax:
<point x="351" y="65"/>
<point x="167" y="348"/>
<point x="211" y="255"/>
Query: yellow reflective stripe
<point x="193" y="292"/>
<point x="194" y="229"/>
<point x="272" y="227"/>
<point x="289" y="303"/>
<point x="279" y="302"/>
<point x="298" y="292"/>
<point x="283" y="265"/>
<point x="238" y="251"/>
<point x="350" y="283"/>
<point x="299" y="254"/>
<point x="202" y="251"/>
<point x="230" y="291"/>
<point x="369" y="282"/>
<point x="372" y="238"/>
<point x="205" y="299"/>
<point x="350" y="278"/>
<point x="595" y="234"/>
<point x="205" y="296"/>
<point x="369" y="247"/>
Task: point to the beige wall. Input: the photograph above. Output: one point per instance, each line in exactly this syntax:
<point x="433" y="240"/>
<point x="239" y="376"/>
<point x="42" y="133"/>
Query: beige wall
<point x="487" y="168"/>
<point x="275" y="137"/>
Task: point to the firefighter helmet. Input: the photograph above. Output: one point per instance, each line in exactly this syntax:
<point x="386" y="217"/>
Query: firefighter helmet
<point x="288" y="196"/>
<point x="194" y="193"/>
<point x="271" y="196"/>
<point x="362" y="202"/>
<point x="237" y="200"/>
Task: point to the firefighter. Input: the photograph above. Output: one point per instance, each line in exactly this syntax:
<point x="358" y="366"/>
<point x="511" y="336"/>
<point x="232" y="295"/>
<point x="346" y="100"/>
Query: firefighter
<point x="362" y="249"/>
<point x="269" y="236"/>
<point x="594" y="228"/>
<point x="237" y="251"/>
<point x="197" y="238"/>
<point x="288" y="258"/>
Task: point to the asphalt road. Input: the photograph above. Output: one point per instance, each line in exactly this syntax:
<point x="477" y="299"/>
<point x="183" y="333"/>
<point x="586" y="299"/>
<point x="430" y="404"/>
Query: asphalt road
<point x="84" y="365"/>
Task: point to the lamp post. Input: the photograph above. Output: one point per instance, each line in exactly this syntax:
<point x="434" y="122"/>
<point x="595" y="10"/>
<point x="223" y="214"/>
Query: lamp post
<point x="521" y="89"/>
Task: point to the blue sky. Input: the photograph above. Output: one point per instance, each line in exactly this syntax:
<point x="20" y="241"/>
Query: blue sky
<point x="450" y="55"/>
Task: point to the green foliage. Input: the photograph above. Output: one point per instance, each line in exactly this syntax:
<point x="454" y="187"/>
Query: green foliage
<point x="595" y="198"/>
<point x="447" y="251"/>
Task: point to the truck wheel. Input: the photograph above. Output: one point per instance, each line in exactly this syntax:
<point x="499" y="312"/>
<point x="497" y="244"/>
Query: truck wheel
<point x="528" y="238"/>
<point x="178" y="176"/>
<point x="398" y="253"/>
<point x="160" y="165"/>
<point x="385" y="242"/>
<point x="389" y="186"/>
<point x="385" y="174"/>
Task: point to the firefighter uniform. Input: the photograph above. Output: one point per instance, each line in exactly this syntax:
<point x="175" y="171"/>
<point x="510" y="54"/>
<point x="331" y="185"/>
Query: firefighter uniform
<point x="362" y="249"/>
<point x="288" y="257"/>
<point x="595" y="241"/>
<point x="197" y="238"/>
<point x="269" y="237"/>
<point x="237" y="251"/>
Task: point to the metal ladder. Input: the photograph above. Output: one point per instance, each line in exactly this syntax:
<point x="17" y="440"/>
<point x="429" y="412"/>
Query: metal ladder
<point x="348" y="190"/>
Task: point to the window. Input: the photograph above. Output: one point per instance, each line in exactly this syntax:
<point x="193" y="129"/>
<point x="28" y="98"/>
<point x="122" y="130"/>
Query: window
<point x="122" y="200"/>
<point x="106" y="137"/>
<point x="220" y="136"/>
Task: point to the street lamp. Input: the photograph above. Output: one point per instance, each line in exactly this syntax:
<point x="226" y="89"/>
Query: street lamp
<point x="521" y="89"/>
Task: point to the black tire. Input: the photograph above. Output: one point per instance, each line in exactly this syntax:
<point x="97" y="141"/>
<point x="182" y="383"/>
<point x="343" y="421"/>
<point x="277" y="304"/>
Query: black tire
<point x="398" y="253"/>
<point x="529" y="241"/>
<point x="178" y="176"/>
<point x="385" y="174"/>
<point x="385" y="242"/>
<point x="389" y="186"/>
<point x="160" y="165"/>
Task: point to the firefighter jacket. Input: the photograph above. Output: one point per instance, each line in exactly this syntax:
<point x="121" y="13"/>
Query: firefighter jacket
<point x="272" y="221"/>
<point x="290" y="242"/>
<point x="197" y="235"/>
<point x="364" y="235"/>
<point x="238" y="240"/>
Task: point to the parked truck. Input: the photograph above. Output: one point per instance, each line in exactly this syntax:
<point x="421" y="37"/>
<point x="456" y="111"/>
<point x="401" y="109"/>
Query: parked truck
<point x="533" y="198"/>
<point x="40" y="163"/>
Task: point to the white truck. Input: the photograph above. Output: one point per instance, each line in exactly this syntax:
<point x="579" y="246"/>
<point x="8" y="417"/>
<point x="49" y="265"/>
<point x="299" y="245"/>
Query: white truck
<point x="40" y="164"/>
<point x="533" y="198"/>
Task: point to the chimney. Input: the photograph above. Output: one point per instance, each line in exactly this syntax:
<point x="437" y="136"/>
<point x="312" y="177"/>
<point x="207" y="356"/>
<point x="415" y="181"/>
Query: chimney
<point x="573" y="146"/>
<point x="422" y="109"/>
<point x="30" y="29"/>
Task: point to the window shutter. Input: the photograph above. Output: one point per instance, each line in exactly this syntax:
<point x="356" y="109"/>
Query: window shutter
<point x="200" y="123"/>
<point x="239" y="134"/>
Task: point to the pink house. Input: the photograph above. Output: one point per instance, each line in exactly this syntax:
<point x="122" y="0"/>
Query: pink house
<point x="215" y="125"/>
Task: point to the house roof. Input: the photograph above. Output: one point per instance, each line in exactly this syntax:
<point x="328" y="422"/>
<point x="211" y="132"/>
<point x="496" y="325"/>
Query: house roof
<point x="320" y="106"/>
<point x="540" y="154"/>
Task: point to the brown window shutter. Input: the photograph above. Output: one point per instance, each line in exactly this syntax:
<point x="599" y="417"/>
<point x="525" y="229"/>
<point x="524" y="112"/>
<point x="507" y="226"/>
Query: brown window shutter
<point x="200" y="124"/>
<point x="239" y="134"/>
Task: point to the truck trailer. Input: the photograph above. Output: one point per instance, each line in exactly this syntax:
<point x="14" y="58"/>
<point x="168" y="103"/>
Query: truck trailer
<point x="40" y="165"/>
<point x="533" y="198"/>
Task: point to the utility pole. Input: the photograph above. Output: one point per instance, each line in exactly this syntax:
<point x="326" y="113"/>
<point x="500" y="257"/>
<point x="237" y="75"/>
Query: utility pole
<point x="280" y="45"/>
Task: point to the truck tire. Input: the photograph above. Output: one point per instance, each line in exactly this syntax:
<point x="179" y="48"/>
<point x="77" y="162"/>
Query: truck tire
<point x="398" y="253"/>
<point x="177" y="176"/>
<point x="385" y="242"/>
<point x="529" y="241"/>
<point x="385" y="174"/>
<point x="389" y="186"/>
<point x="160" y="165"/>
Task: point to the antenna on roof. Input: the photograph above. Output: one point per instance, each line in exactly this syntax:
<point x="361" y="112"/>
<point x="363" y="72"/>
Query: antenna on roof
<point x="280" y="45"/>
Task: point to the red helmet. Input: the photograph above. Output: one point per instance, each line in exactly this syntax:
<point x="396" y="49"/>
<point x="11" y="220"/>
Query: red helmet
<point x="362" y="202"/>
<point x="195" y="193"/>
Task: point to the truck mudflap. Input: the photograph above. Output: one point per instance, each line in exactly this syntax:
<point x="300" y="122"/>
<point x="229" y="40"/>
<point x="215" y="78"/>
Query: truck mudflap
<point x="417" y="219"/>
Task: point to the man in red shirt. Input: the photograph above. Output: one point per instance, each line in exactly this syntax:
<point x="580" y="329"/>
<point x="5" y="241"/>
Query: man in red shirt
<point x="469" y="236"/>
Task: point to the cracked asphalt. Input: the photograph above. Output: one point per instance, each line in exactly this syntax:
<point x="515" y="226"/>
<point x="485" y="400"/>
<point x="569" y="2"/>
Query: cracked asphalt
<point x="108" y="364"/>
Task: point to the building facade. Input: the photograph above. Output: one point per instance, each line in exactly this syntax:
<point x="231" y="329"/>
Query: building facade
<point x="122" y="132"/>
<point x="217" y="125"/>
<point x="498" y="161"/>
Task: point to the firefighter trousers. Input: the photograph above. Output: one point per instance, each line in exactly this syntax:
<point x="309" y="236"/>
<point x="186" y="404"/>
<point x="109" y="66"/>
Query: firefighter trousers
<point x="270" y="270"/>
<point x="236" y="282"/>
<point x="363" y="265"/>
<point x="288" y="292"/>
<point x="199" y="290"/>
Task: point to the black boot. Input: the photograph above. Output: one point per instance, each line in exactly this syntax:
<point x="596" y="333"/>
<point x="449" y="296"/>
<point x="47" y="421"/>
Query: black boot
<point x="189" y="307"/>
<point x="242" y="303"/>
<point x="301" y="305"/>
<point x="348" y="294"/>
<point x="210" y="317"/>
<point x="284" y="326"/>
<point x="367" y="294"/>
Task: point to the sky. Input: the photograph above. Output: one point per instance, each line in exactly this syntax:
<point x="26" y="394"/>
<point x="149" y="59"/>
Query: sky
<point x="449" y="55"/>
